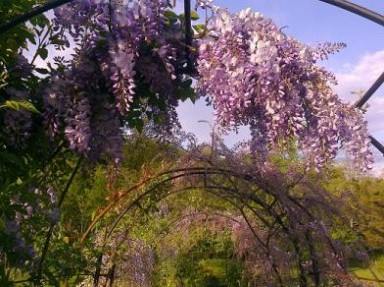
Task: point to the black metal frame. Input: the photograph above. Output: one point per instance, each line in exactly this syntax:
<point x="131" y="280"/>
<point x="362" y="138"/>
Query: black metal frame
<point x="379" y="19"/>
<point x="30" y="14"/>
<point x="343" y="4"/>
<point x="357" y="9"/>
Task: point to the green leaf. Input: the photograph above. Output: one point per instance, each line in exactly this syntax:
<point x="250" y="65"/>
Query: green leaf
<point x="40" y="21"/>
<point x="170" y="15"/>
<point x="31" y="38"/>
<point x="137" y="123"/>
<point x="3" y="77"/>
<point x="42" y="71"/>
<point x="200" y="28"/>
<point x="20" y="104"/>
<point x="186" y="92"/>
<point x="43" y="53"/>
<point x="187" y="83"/>
<point x="19" y="181"/>
<point x="194" y="15"/>
<point x="11" y="159"/>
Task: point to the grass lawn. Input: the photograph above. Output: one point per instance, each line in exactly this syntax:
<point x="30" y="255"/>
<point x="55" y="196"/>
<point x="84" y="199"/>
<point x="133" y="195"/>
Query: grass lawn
<point x="373" y="272"/>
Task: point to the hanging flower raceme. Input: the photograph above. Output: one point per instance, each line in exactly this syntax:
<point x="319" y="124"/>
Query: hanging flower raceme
<point x="115" y="41"/>
<point x="256" y="75"/>
<point x="117" y="28"/>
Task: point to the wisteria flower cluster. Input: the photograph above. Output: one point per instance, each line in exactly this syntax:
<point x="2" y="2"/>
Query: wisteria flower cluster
<point x="256" y="75"/>
<point x="129" y="67"/>
<point x="122" y="48"/>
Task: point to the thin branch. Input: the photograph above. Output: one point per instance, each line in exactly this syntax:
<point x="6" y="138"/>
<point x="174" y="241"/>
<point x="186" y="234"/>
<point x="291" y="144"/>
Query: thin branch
<point x="65" y="191"/>
<point x="112" y="275"/>
<point x="53" y="155"/>
<point x="30" y="279"/>
<point x="32" y="13"/>
<point x="53" y="224"/>
<point x="357" y="9"/>
<point x="300" y="262"/>
<point x="136" y="202"/>
<point x="314" y="258"/>
<point x="96" y="276"/>
<point x="42" y="42"/>
<point x="253" y="231"/>
<point x="274" y="266"/>
<point x="177" y="221"/>
<point x="243" y="200"/>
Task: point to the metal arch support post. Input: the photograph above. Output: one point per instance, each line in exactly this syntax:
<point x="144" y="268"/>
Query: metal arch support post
<point x="377" y="144"/>
<point x="188" y="24"/>
<point x="370" y="92"/>
<point x="364" y="99"/>
<point x="188" y="34"/>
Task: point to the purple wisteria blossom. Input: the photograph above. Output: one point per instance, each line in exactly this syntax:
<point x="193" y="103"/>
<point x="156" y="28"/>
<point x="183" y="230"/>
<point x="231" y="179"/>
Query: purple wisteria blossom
<point x="256" y="75"/>
<point x="90" y="100"/>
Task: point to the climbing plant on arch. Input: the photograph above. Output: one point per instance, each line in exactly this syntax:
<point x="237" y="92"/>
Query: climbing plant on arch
<point x="281" y="222"/>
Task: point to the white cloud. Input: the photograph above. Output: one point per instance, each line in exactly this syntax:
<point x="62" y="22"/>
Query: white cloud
<point x="359" y="77"/>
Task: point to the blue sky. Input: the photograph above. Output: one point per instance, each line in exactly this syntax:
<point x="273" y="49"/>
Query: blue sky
<point x="312" y="22"/>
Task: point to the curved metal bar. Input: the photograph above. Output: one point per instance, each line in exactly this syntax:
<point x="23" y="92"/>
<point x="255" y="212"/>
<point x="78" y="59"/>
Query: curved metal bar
<point x="377" y="144"/>
<point x="379" y="19"/>
<point x="370" y="91"/>
<point x="34" y="12"/>
<point x="357" y="9"/>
